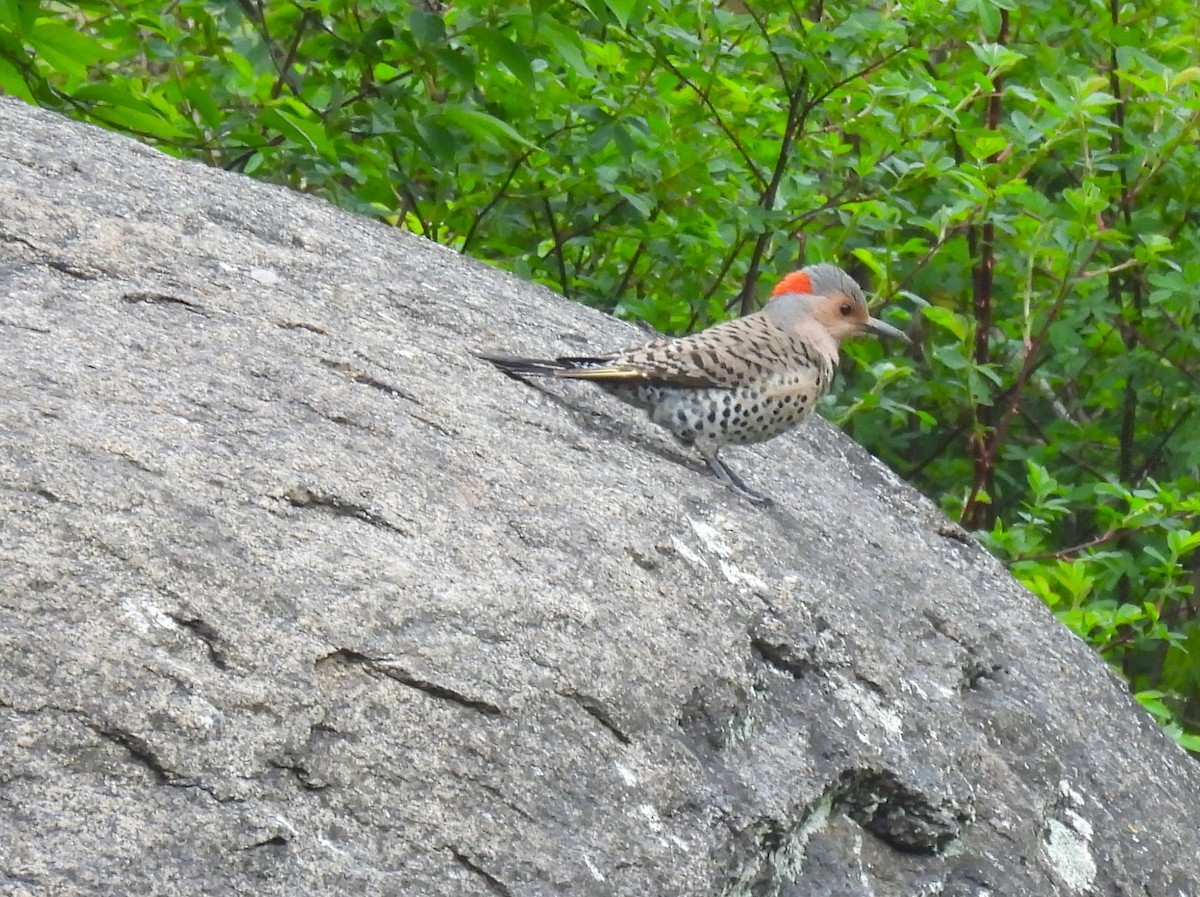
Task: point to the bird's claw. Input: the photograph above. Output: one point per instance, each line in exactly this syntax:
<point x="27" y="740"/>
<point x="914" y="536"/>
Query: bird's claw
<point x="734" y="483"/>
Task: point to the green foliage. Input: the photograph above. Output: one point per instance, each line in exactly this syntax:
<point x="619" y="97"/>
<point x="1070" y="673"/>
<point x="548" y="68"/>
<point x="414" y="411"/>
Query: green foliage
<point x="1128" y="590"/>
<point x="1021" y="177"/>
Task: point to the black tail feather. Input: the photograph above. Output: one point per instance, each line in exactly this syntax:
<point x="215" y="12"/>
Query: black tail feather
<point x="538" y="367"/>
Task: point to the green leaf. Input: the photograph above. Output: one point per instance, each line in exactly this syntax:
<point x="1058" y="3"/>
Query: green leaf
<point x="502" y="50"/>
<point x="986" y="144"/>
<point x="1187" y="76"/>
<point x="996" y="57"/>
<point x="989" y="15"/>
<point x="427" y="27"/>
<point x="19" y="15"/>
<point x="457" y="63"/>
<point x="568" y="46"/>
<point x="203" y="103"/>
<point x="952" y="357"/>
<point x="624" y="10"/>
<point x="481" y="124"/>
<point x="297" y="128"/>
<point x="12" y="81"/>
<point x="643" y="205"/>
<point x="65" y="48"/>
<point x="1181" y="542"/>
<point x="598" y="9"/>
<point x="115" y="105"/>
<point x="1040" y="480"/>
<point x="945" y="318"/>
<point x="1152" y="701"/>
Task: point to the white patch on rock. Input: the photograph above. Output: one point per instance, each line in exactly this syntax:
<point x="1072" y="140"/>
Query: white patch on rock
<point x="687" y="554"/>
<point x="710" y="538"/>
<point x="1068" y="842"/>
<point x="679" y="842"/>
<point x="285" y="825"/>
<point x="651" y="816"/>
<point x="1065" y="789"/>
<point x="626" y="774"/>
<point x="596" y="873"/>
<point x="739" y="577"/>
<point x="714" y="543"/>
<point x="871" y="708"/>
<point x="1080" y="824"/>
<point x="1069" y="855"/>
<point x="143" y="613"/>
<point x="265" y="276"/>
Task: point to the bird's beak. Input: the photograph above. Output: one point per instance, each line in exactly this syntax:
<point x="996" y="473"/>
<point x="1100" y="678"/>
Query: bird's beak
<point x="876" y="326"/>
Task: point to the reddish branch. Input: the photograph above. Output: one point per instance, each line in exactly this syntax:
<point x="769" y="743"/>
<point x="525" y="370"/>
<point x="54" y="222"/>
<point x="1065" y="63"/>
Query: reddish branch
<point x="985" y="437"/>
<point x="1129" y="402"/>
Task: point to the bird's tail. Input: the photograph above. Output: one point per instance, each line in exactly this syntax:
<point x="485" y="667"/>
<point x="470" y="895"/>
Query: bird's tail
<point x="542" y="367"/>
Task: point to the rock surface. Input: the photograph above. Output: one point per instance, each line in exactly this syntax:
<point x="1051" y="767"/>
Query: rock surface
<point x="297" y="597"/>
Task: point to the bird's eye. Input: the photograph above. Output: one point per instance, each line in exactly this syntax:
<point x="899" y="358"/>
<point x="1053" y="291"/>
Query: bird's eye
<point x="846" y="308"/>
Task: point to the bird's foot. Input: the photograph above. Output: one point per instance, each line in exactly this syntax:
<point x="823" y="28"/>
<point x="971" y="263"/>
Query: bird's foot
<point x="731" y="480"/>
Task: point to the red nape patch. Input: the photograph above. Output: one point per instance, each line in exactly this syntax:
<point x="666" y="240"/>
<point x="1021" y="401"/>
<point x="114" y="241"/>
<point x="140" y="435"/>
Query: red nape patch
<point x="796" y="282"/>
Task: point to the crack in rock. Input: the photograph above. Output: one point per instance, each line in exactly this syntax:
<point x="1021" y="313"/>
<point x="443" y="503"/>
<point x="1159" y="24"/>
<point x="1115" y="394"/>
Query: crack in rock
<point x="900" y="816"/>
<point x="391" y="670"/>
<point x="150" y="297"/>
<point x="17" y="325"/>
<point x="139" y="749"/>
<point x="301" y="773"/>
<point x="783" y="657"/>
<point x="207" y="634"/>
<point x="774" y="850"/>
<point x="596" y="711"/>
<point x="273" y="841"/>
<point x="358" y="375"/>
<point x="303" y="325"/>
<point x="494" y="884"/>
<point x="302" y="497"/>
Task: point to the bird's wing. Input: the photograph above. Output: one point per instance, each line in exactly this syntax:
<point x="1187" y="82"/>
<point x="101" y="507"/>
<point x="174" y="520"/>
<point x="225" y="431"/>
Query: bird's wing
<point x="642" y="365"/>
<point x="721" y="357"/>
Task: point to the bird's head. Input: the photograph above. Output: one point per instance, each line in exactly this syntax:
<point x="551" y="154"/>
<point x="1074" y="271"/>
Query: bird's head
<point x="831" y="298"/>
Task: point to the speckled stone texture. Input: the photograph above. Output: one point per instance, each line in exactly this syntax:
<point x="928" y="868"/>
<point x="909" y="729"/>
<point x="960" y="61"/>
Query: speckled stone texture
<point x="298" y="597"/>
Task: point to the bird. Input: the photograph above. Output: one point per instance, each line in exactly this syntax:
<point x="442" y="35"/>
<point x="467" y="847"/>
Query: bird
<point x="739" y="382"/>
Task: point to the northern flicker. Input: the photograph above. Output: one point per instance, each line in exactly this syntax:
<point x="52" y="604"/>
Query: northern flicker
<point x="740" y="381"/>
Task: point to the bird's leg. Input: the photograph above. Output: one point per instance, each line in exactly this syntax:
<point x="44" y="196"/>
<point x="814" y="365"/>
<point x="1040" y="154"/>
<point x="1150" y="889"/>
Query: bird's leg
<point x="734" y="482"/>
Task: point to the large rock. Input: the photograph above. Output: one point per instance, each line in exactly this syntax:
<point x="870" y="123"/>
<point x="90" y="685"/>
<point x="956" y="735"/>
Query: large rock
<point x="298" y="597"/>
